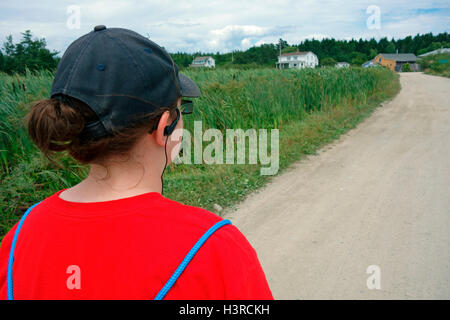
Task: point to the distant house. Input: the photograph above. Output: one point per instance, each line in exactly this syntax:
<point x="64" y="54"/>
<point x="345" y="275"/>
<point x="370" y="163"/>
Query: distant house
<point x="206" y="61"/>
<point x="395" y="61"/>
<point x="442" y="50"/>
<point x="297" y="60"/>
<point x="342" y="65"/>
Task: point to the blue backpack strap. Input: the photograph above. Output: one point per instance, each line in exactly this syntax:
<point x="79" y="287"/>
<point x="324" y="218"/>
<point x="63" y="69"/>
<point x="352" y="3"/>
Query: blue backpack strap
<point x="188" y="258"/>
<point x="9" y="276"/>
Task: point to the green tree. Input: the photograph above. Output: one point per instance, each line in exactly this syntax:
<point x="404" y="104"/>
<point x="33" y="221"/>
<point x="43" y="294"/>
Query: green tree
<point x="182" y="60"/>
<point x="289" y="49"/>
<point x="2" y="62"/>
<point x="282" y="43"/>
<point x="358" y="58"/>
<point x="29" y="54"/>
<point x="8" y="46"/>
<point x="372" y="53"/>
<point x="390" y="48"/>
<point x="328" y="61"/>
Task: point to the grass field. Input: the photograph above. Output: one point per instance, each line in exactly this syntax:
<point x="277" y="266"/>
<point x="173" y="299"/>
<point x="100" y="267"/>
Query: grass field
<point x="309" y="107"/>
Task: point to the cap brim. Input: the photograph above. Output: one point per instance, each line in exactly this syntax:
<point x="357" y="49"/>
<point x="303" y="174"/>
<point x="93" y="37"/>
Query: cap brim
<point x="188" y="87"/>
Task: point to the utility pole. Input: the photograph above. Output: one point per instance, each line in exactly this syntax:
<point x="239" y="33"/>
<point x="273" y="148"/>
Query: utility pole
<point x="231" y="56"/>
<point x="280" y="52"/>
<point x="280" y="46"/>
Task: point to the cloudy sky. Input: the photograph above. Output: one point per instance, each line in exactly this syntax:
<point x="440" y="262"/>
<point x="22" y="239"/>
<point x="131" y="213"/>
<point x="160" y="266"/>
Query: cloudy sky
<point x="213" y="25"/>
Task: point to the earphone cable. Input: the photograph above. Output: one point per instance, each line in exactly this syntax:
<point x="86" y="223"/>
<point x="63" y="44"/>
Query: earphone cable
<point x="165" y="165"/>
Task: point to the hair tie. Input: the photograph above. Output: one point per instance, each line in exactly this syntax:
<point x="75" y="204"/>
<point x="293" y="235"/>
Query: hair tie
<point x="64" y="99"/>
<point x="58" y="106"/>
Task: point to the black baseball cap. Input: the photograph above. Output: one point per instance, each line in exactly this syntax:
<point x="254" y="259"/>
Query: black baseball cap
<point x="120" y="75"/>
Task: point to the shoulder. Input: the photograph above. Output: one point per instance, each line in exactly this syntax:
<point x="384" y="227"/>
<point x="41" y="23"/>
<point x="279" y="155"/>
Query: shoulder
<point x="194" y="216"/>
<point x="228" y="239"/>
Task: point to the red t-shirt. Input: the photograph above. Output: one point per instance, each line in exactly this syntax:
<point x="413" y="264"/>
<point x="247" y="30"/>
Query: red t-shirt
<point x="128" y="249"/>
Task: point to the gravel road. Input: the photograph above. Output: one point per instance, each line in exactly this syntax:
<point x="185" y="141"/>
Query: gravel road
<point x="379" y="196"/>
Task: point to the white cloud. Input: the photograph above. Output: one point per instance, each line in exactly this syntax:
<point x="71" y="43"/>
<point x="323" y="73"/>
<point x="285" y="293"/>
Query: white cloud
<point x="230" y="31"/>
<point x="220" y="25"/>
<point x="233" y="37"/>
<point x="246" y="42"/>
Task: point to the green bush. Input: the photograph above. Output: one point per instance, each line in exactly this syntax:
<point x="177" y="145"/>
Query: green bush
<point x="437" y="64"/>
<point x="406" y="67"/>
<point x="328" y="61"/>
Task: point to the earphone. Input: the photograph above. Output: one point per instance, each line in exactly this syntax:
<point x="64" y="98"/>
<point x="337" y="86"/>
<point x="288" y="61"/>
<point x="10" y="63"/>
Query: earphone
<point x="167" y="132"/>
<point x="169" y="129"/>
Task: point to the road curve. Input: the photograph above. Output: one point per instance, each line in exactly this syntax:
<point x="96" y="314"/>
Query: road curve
<point x="379" y="196"/>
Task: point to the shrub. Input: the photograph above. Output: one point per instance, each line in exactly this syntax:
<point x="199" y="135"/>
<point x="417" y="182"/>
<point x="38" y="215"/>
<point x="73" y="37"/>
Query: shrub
<point x="406" y="67"/>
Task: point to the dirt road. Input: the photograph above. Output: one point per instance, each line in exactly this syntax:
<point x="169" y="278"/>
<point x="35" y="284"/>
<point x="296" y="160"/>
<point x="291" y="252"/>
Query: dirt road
<point x="379" y="196"/>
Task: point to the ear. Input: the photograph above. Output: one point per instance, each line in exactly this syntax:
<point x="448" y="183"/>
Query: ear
<point x="158" y="134"/>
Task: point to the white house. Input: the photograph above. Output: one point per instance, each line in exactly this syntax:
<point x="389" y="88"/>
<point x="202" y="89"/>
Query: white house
<point x="342" y="64"/>
<point x="206" y="61"/>
<point x="297" y="60"/>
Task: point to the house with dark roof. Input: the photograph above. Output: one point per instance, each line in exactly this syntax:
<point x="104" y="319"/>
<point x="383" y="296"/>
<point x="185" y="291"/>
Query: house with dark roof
<point x="438" y="51"/>
<point x="205" y="61"/>
<point x="395" y="61"/>
<point x="368" y="64"/>
<point x="297" y="60"/>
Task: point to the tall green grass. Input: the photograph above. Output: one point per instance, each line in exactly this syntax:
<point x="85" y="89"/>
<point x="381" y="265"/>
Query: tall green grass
<point x="16" y="93"/>
<point x="264" y="98"/>
<point x="259" y="98"/>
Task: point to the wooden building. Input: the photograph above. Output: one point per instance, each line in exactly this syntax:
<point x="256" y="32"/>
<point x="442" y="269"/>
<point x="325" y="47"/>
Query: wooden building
<point x="395" y="61"/>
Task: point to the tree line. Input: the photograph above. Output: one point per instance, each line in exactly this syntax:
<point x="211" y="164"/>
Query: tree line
<point x="29" y="53"/>
<point x="32" y="54"/>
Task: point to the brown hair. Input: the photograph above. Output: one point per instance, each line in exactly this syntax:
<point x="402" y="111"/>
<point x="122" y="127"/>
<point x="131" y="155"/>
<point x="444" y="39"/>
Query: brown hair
<point x="55" y="125"/>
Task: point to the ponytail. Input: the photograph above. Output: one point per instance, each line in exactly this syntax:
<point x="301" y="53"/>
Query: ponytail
<point x="56" y="125"/>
